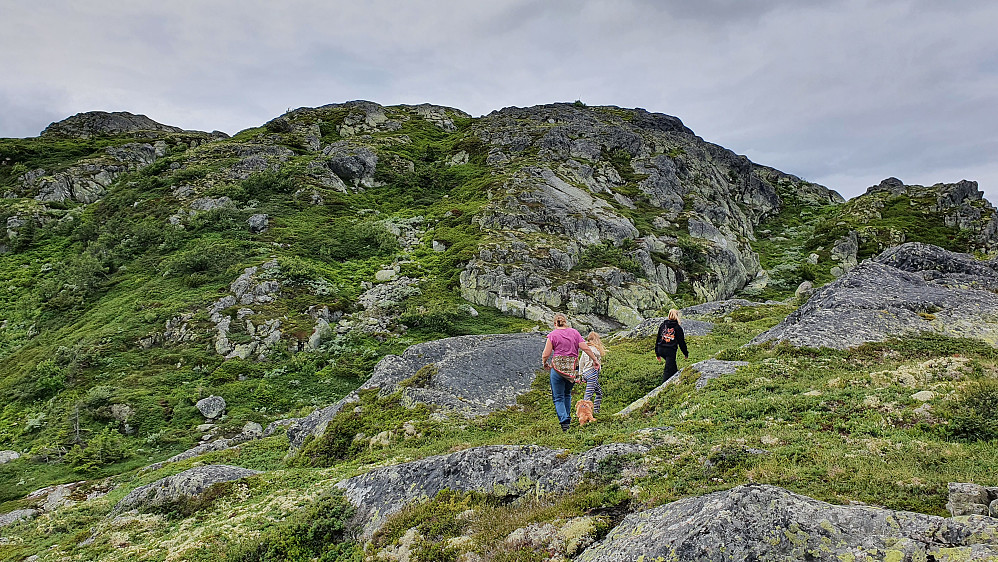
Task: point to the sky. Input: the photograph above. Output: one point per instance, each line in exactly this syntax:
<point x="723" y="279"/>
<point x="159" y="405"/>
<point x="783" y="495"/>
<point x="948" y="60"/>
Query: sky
<point x="843" y="93"/>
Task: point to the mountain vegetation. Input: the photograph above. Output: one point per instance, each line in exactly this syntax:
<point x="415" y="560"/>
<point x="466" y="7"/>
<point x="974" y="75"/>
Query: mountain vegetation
<point x="146" y="269"/>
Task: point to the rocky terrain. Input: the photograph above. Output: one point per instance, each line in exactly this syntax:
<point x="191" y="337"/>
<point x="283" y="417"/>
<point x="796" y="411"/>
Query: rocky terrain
<point x="773" y="524"/>
<point x="910" y="289"/>
<point x="320" y="339"/>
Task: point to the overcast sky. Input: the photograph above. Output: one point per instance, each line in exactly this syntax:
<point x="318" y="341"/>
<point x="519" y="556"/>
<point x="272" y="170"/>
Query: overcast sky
<point x="839" y="92"/>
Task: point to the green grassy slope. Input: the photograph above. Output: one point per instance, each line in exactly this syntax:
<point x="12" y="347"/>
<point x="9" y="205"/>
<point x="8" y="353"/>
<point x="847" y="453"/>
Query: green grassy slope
<point x="83" y="284"/>
<point x="837" y="426"/>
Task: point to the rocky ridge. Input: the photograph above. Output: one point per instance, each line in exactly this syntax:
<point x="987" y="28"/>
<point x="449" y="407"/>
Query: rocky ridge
<point x="912" y="288"/>
<point x="103" y="123"/>
<point x="961" y="204"/>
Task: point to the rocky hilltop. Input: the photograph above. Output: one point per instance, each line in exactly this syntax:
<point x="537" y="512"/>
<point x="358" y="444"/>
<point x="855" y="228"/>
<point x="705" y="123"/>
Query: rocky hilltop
<point x="581" y="182"/>
<point x="101" y="124"/>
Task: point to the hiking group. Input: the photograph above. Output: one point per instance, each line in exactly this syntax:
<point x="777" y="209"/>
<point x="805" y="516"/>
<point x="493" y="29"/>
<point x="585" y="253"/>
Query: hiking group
<point x="568" y="366"/>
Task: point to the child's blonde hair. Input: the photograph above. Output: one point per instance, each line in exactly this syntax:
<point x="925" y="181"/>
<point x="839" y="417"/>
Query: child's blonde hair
<point x="560" y="320"/>
<point x="593" y="340"/>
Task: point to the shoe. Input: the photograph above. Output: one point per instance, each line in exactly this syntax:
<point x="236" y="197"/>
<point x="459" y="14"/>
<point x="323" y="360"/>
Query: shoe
<point x="565" y="425"/>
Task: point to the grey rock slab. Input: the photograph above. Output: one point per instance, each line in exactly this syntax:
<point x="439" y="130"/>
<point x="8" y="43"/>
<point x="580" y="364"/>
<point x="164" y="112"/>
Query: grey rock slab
<point x="276" y="425"/>
<point x="761" y="522"/>
<point x="216" y="445"/>
<point x="251" y="430"/>
<point x="649" y="327"/>
<point x="15" y="516"/>
<point x="210" y="204"/>
<point x="8" y="456"/>
<point x="912" y="288"/>
<point x="505" y="470"/>
<point x="314" y="424"/>
<point x="714" y="368"/>
<point x="352" y="163"/>
<point x="968" y="499"/>
<point x="189" y="483"/>
<point x="454" y="378"/>
<point x="478" y="374"/>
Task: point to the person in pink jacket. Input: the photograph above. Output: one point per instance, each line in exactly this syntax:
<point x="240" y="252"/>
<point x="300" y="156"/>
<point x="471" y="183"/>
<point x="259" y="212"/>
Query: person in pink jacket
<point x="562" y="347"/>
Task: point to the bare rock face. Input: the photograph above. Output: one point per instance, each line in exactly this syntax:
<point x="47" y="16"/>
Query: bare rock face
<point x="508" y="471"/>
<point x="760" y="522"/>
<point x="102" y="123"/>
<point x="258" y="223"/>
<point x="447" y="374"/>
<point x="353" y="164"/>
<point x="448" y="371"/>
<point x="912" y="288"/>
<point x="189" y="483"/>
<point x="88" y="180"/>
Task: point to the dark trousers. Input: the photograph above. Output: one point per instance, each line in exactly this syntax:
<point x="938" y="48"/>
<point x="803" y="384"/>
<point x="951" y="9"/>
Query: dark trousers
<point x="671" y="368"/>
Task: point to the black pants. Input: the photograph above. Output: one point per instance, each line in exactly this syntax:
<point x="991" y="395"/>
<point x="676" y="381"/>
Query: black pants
<point x="671" y="368"/>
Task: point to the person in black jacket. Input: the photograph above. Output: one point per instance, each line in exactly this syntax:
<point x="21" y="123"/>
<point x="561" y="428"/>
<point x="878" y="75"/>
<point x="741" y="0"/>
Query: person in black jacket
<point x="670" y="339"/>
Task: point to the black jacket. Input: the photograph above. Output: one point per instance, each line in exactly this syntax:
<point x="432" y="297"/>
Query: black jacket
<point x="667" y="341"/>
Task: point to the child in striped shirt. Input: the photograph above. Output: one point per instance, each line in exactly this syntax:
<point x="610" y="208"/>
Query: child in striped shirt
<point x="590" y="374"/>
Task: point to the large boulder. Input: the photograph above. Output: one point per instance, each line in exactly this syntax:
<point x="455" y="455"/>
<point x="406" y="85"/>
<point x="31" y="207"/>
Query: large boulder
<point x="473" y="375"/>
<point x="972" y="499"/>
<point x="211" y="407"/>
<point x="189" y="483"/>
<point x="760" y="522"/>
<point x="470" y="375"/>
<point x="353" y="164"/>
<point x="508" y="471"/>
<point x="912" y="288"/>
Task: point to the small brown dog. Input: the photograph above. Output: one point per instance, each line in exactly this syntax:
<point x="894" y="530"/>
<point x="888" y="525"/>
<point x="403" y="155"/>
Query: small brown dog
<point x="584" y="411"/>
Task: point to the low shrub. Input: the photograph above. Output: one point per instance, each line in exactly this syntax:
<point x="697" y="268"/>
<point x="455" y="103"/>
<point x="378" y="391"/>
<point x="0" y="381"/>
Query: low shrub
<point x="318" y="532"/>
<point x="108" y="447"/>
<point x="972" y="414"/>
